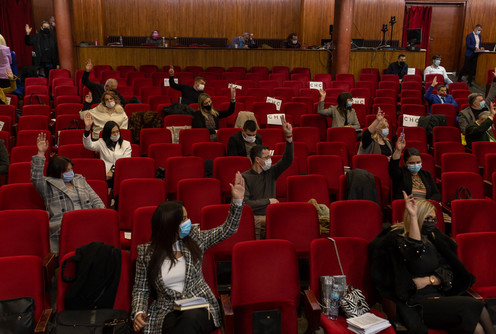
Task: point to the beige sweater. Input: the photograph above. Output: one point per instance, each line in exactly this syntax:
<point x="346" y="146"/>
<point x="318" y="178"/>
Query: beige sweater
<point x="101" y="116"/>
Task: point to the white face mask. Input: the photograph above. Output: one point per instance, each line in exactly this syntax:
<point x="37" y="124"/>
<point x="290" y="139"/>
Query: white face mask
<point x="110" y="104"/>
<point x="249" y="139"/>
<point x="201" y="87"/>
<point x="295" y="41"/>
<point x="115" y="138"/>
<point x="268" y="164"/>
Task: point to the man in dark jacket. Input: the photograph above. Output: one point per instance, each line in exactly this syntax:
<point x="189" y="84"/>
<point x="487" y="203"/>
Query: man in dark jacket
<point x="189" y="94"/>
<point x="44" y="44"/>
<point x="241" y="143"/>
<point x="97" y="89"/>
<point x="482" y="129"/>
<point x="400" y="67"/>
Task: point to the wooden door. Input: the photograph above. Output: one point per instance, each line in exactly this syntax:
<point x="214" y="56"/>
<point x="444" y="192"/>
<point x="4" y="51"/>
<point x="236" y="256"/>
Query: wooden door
<point x="446" y="35"/>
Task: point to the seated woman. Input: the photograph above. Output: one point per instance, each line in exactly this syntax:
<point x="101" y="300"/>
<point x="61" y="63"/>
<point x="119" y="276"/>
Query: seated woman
<point x="415" y="265"/>
<point x="109" y="109"/>
<point x="169" y="268"/>
<point x="343" y="114"/>
<point x="154" y="39"/>
<point x="61" y="189"/>
<point x="208" y="117"/>
<point x="111" y="146"/>
<point x="375" y="138"/>
<point x="411" y="178"/>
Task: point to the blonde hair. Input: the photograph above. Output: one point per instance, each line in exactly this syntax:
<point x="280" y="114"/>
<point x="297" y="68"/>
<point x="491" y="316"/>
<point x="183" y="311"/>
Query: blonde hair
<point x="2" y="41"/>
<point x="205" y="113"/>
<point x="424" y="208"/>
<point x="382" y="125"/>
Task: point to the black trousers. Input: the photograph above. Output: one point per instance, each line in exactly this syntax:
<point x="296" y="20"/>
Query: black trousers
<point x="195" y="321"/>
<point x="469" y="67"/>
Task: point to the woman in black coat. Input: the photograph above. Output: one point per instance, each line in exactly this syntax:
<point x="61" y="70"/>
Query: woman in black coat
<point x="414" y="264"/>
<point x="411" y="178"/>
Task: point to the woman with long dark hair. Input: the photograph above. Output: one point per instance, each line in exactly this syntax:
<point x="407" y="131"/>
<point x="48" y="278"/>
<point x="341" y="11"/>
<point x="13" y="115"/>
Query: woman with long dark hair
<point x="111" y="146"/>
<point x="343" y="114"/>
<point x="169" y="268"/>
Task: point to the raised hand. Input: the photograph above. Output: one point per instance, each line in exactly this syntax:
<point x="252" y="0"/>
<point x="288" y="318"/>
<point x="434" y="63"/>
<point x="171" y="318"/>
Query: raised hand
<point x="89" y="65"/>
<point x="28" y="29"/>
<point x="238" y="189"/>
<point x="380" y="115"/>
<point x="322" y="94"/>
<point x="10" y="75"/>
<point x="42" y="144"/>
<point x="410" y="204"/>
<point x="171" y="70"/>
<point x="434" y="82"/>
<point x="88" y="121"/>
<point x="401" y="143"/>
<point x="233" y="94"/>
<point x="288" y="129"/>
<point x="88" y="98"/>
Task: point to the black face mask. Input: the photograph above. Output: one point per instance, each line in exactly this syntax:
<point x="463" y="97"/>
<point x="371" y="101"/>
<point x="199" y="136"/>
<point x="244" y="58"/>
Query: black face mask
<point x="428" y="227"/>
<point x="402" y="63"/>
<point x="209" y="107"/>
<point x="46" y="30"/>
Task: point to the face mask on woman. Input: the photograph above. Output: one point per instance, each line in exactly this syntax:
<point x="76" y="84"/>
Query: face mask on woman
<point x="414" y="168"/>
<point x="68" y="176"/>
<point x="437" y="62"/>
<point x="385" y="132"/>
<point x="349" y="104"/>
<point x="185" y="229"/>
<point x="115" y="139"/>
<point x="208" y="107"/>
<point x="110" y="104"/>
<point x="155" y="35"/>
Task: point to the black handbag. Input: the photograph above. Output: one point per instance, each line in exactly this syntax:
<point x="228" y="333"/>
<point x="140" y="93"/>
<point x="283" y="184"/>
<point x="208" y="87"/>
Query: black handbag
<point x="267" y="322"/>
<point x="101" y="321"/>
<point x="461" y="193"/>
<point x="17" y="316"/>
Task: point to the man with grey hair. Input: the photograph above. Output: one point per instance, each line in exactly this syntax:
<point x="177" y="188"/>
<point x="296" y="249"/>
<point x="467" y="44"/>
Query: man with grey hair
<point x="97" y="89"/>
<point x="244" y="41"/>
<point x="482" y="129"/>
<point x="477" y="104"/>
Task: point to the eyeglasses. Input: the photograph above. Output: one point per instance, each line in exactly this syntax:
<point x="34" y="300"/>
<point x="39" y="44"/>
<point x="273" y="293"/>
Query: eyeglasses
<point x="430" y="219"/>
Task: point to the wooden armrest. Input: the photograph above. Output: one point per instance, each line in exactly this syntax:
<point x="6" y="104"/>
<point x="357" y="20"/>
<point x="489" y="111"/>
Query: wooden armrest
<point x="41" y="326"/>
<point x="472" y="293"/>
<point x="228" y="314"/>
<point x="312" y="311"/>
<point x="49" y="266"/>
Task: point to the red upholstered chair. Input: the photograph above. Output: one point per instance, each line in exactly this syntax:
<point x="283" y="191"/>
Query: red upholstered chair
<point x="34" y="122"/>
<point x="149" y="136"/>
<point x="36" y="110"/>
<point x="224" y="134"/>
<point x="344" y="135"/>
<point x="398" y="209"/>
<point x="142" y="228"/>
<point x="329" y="166"/>
<point x="209" y="151"/>
<point x="238" y="69"/>
<point x="80" y="227"/>
<point x="458" y="86"/>
<point x="98" y="69"/>
<point x="269" y="86"/>
<point x="413" y="109"/>
<point x="123" y="295"/>
<point x="73" y="151"/>
<point x="148" y="69"/>
<point x="472" y="215"/>
<point x="452" y="181"/>
<point x="36" y="89"/>
<point x="19" y="172"/>
<point x="414" y="133"/>
<point x="489" y="166"/>
<point x="160" y="152"/>
<point x="124" y="69"/>
<point x="136" y="107"/>
<point x="300" y="151"/>
<point x="481" y="148"/>
<point x="446" y="147"/>
<point x="225" y="169"/>
<point x="22" y="276"/>
<point x="35" y="81"/>
<point x="346" y="77"/>
<point x="476" y="251"/>
<point x="390" y="85"/>
<point x="132" y="168"/>
<point x="232" y="76"/>
<point x="36" y="99"/>
<point x="8" y="110"/>
<point x="308" y="135"/>
<point x="295" y="222"/>
<point x="270" y="137"/>
<point x="136" y="193"/>
<point x="281" y="183"/>
<point x="385" y="99"/>
<point x="389" y="93"/>
<point x="24" y="154"/>
<point x="197" y="193"/>
<point x="376" y="164"/>
<point x="446" y="133"/>
<point x="312" y="93"/>
<point x="313" y="120"/>
<point x="326" y="78"/>
<point x="301" y="188"/>
<point x="20" y="196"/>
<point x="188" y="137"/>
<point x="146" y="92"/>
<point x="157" y="103"/>
<point x="70" y="136"/>
<point x="262" y="285"/>
<point x="28" y="137"/>
<point x="459" y="162"/>
<point x="262" y="70"/>
<point x="178" y="168"/>
<point x="355" y="218"/>
<point x="215" y="215"/>
<point x="68" y="108"/>
<point x="324" y="262"/>
<point x="101" y="189"/>
<point x="261" y="110"/>
<point x="65" y="91"/>
<point x="91" y="169"/>
<point x="334" y="148"/>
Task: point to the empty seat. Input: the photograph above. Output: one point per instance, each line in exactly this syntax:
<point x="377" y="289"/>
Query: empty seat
<point x="452" y="182"/>
<point x="302" y="188"/>
<point x="178" y="168"/>
<point x="472" y="215"/>
<point x="355" y="218"/>
<point x="187" y="137"/>
<point x="143" y="168"/>
<point x="196" y="193"/>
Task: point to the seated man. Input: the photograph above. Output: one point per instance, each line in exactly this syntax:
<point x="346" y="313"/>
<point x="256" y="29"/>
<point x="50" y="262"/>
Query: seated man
<point x="241" y="143"/>
<point x="477" y="104"/>
<point x="291" y="42"/>
<point x="97" y="89"/>
<point x="442" y="96"/>
<point x="400" y="67"/>
<point x="260" y="179"/>
<point x="244" y="41"/>
<point x="189" y="94"/>
<point x="482" y="128"/>
<point x="436" y="68"/>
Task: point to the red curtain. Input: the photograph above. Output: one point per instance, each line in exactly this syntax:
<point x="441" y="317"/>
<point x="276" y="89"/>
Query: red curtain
<point x="419" y="17"/>
<point x="14" y="15"/>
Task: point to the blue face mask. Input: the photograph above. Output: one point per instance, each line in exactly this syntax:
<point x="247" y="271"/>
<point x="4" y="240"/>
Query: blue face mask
<point x="437" y="62"/>
<point x="385" y="132"/>
<point x="414" y="168"/>
<point x="483" y="104"/>
<point x="349" y="104"/>
<point x="477" y="32"/>
<point x="185" y="229"/>
<point x="67" y="177"/>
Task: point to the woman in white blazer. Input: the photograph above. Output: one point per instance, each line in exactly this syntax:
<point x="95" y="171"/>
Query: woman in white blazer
<point x="111" y="146"/>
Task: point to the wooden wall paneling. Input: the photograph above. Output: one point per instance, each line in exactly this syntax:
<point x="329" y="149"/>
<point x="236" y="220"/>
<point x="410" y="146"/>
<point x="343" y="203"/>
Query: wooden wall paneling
<point x="88" y="21"/>
<point x="485" y="62"/>
<point x="42" y="10"/>
<point x="316" y="16"/>
<point x="370" y="15"/>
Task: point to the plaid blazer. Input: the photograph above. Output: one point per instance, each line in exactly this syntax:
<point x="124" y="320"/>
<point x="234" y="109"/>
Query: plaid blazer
<point x="194" y="283"/>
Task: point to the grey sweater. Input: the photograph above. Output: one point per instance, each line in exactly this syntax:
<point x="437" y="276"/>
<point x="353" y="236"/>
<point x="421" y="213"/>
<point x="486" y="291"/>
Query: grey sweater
<point x="260" y="187"/>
